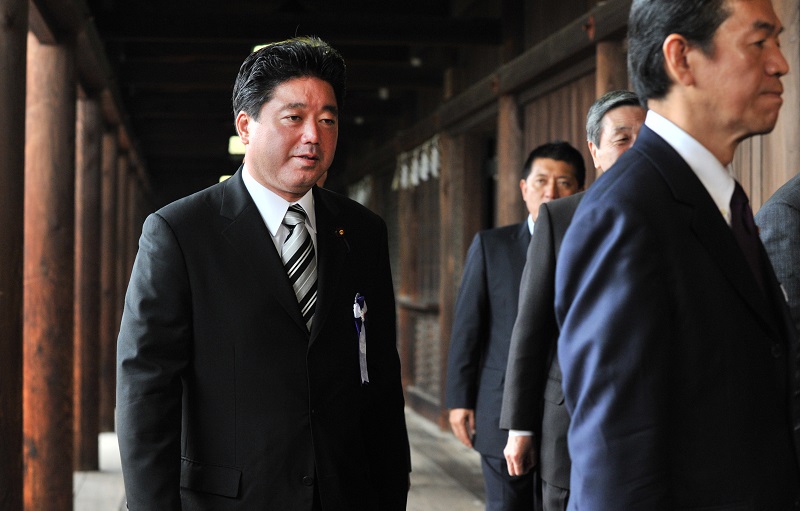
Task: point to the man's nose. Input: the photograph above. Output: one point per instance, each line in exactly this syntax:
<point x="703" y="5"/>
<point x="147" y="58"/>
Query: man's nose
<point x="310" y="132"/>
<point x="551" y="190"/>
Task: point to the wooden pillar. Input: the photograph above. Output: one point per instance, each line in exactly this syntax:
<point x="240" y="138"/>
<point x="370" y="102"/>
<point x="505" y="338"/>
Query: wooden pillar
<point x="132" y="228"/>
<point x="510" y="157"/>
<point x="48" y="276"/>
<point x="120" y="240"/>
<point x="459" y="190"/>
<point x="108" y="286"/>
<point x="612" y="67"/>
<point x="13" y="39"/>
<point x="87" y="282"/>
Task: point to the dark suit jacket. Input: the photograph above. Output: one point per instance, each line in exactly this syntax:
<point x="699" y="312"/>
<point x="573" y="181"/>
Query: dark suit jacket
<point x="779" y="224"/>
<point x="484" y="316"/>
<point x="533" y="399"/>
<point x="223" y="394"/>
<point x="678" y="371"/>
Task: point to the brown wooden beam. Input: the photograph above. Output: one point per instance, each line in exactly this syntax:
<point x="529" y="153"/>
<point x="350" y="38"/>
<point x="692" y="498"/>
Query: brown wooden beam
<point x="570" y="44"/>
<point x="337" y="28"/>
<point x="13" y="39"/>
<point x="48" y="276"/>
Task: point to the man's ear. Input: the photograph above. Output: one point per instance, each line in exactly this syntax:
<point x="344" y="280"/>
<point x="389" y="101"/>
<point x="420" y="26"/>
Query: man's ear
<point x="593" y="152"/>
<point x="678" y="57"/>
<point x="243" y="127"/>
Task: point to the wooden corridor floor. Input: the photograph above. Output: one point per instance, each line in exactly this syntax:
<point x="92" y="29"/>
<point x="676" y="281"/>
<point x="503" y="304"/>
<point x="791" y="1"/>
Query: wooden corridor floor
<point x="446" y="475"/>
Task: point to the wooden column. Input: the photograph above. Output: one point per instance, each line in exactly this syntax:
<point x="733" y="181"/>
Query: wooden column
<point x="133" y="226"/>
<point x="108" y="286"/>
<point x="459" y="190"/>
<point x="48" y="276"/>
<point x="13" y="39"/>
<point x="121" y="235"/>
<point x="612" y="67"/>
<point x="87" y="282"/>
<point x="510" y="157"/>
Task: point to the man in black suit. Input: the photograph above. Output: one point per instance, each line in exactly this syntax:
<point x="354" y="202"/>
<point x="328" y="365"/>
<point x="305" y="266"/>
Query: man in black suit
<point x="533" y="402"/>
<point x="485" y="311"/>
<point x="240" y="387"/>
<point x="677" y="350"/>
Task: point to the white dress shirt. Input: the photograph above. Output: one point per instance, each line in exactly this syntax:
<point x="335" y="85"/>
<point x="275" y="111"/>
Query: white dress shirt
<point x="273" y="209"/>
<point x="716" y="179"/>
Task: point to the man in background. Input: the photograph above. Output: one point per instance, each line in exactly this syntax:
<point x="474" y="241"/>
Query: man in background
<point x="779" y="226"/>
<point x="676" y="347"/>
<point x="533" y="401"/>
<point x="484" y="315"/>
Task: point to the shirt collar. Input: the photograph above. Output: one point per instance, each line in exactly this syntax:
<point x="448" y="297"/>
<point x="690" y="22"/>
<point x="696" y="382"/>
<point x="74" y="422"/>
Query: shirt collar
<point x="530" y="224"/>
<point x="272" y="207"/>
<point x="716" y="178"/>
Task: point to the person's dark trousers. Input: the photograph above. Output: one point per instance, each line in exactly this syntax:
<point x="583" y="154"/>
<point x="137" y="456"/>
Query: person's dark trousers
<point x="554" y="498"/>
<point x="504" y="492"/>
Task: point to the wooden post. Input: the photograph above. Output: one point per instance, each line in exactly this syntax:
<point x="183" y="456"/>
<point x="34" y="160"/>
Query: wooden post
<point x="87" y="282"/>
<point x="13" y="40"/>
<point x="120" y="240"/>
<point x="459" y="192"/>
<point x="510" y="157"/>
<point x="612" y="67"/>
<point x="48" y="276"/>
<point x="108" y="286"/>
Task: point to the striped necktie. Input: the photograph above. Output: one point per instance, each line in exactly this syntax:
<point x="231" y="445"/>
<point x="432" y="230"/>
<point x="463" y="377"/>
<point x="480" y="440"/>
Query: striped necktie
<point x="300" y="261"/>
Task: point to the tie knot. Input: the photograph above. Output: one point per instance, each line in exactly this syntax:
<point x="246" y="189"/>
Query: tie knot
<point x="739" y="198"/>
<point x="294" y="215"/>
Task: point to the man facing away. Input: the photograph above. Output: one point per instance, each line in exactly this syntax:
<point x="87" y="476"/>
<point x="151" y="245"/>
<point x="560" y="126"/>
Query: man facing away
<point x="533" y="402"/>
<point x="257" y="366"/>
<point x="485" y="311"/>
<point x="678" y="358"/>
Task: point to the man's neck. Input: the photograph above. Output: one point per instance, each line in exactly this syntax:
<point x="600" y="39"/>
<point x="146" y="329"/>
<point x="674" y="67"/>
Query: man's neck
<point x="698" y="125"/>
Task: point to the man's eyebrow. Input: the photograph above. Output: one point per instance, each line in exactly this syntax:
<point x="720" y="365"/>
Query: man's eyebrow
<point x="328" y="108"/>
<point x="766" y="26"/>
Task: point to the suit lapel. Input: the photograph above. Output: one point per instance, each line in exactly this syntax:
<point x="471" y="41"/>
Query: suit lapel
<point x="332" y="249"/>
<point x="708" y="224"/>
<point x="249" y="235"/>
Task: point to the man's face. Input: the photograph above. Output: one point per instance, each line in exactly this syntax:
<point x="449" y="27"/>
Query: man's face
<point x="549" y="179"/>
<point x="292" y="143"/>
<point x="619" y="128"/>
<point x="739" y="84"/>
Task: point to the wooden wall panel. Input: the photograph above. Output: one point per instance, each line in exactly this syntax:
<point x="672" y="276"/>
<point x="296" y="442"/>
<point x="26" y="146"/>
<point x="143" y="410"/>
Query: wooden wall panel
<point x="561" y="115"/>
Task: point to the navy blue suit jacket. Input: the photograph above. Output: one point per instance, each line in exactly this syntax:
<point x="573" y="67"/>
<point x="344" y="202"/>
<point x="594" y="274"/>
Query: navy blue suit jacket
<point x="485" y="311"/>
<point x="678" y="371"/>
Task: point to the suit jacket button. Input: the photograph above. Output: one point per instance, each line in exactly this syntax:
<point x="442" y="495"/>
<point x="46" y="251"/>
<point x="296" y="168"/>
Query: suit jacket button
<point x="308" y="481"/>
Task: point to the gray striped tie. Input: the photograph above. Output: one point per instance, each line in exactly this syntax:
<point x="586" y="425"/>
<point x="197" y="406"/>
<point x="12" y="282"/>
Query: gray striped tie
<point x="300" y="261"/>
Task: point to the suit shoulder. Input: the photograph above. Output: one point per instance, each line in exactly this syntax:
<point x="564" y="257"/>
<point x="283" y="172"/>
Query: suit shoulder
<point x="500" y="233"/>
<point x="347" y="207"/>
<point x="187" y="208"/>
<point x="788" y="194"/>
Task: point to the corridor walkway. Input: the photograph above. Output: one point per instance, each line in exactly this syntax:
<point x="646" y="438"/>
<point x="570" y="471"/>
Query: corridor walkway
<point x="446" y="475"/>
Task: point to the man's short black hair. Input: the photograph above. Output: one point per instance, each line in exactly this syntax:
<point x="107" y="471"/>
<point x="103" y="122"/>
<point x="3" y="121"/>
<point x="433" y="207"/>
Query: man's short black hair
<point x="265" y="69"/>
<point x="560" y="151"/>
<point x="649" y="24"/>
